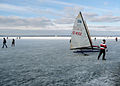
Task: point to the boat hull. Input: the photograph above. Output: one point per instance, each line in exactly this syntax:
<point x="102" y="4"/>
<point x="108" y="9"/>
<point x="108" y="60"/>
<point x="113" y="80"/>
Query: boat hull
<point x="86" y="50"/>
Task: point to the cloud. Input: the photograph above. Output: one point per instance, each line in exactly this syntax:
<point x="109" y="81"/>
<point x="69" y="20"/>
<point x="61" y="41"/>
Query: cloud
<point x="105" y="28"/>
<point x="74" y="8"/>
<point x="69" y="10"/>
<point x="56" y="2"/>
<point x="14" y="21"/>
<point x="29" y="10"/>
<point x="72" y="12"/>
<point x="61" y="3"/>
<point x="105" y="18"/>
<point x="38" y="23"/>
<point x="64" y="20"/>
<point x="90" y="15"/>
<point x="68" y="4"/>
<point x="63" y="23"/>
<point x="69" y="16"/>
<point x="14" y="8"/>
<point x="105" y="3"/>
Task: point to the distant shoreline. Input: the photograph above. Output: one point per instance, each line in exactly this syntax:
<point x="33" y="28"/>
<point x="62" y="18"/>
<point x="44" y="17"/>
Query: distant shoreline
<point x="55" y="37"/>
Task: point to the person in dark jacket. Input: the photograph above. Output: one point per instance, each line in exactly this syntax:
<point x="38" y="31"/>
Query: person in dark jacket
<point x="4" y="43"/>
<point x="13" y="43"/>
<point x="116" y="39"/>
<point x="95" y="38"/>
<point x="103" y="46"/>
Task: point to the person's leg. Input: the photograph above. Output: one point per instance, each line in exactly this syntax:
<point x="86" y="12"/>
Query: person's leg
<point x="99" y="54"/>
<point x="3" y="46"/>
<point x="12" y="45"/>
<point x="103" y="55"/>
<point x="6" y="45"/>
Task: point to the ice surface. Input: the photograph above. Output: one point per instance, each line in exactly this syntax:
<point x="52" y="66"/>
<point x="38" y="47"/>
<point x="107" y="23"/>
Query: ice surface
<point x="50" y="63"/>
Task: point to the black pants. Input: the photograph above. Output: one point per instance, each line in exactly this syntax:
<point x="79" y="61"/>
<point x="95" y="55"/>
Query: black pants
<point x="4" y="44"/>
<point x="102" y="51"/>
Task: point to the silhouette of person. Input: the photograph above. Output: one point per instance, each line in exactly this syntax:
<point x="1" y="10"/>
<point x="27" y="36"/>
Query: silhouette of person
<point x="116" y="39"/>
<point x="95" y="38"/>
<point x="70" y="40"/>
<point x="4" y="43"/>
<point x="13" y="42"/>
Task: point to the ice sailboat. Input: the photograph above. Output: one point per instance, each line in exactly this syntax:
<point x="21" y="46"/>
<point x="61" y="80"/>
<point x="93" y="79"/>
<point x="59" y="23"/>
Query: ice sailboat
<point x="80" y="37"/>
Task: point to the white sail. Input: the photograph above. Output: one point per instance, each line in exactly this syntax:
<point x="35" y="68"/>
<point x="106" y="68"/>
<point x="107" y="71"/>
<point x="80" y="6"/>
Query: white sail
<point x="80" y="37"/>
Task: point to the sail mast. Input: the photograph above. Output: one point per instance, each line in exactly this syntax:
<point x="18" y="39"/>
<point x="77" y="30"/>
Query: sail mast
<point x="86" y="30"/>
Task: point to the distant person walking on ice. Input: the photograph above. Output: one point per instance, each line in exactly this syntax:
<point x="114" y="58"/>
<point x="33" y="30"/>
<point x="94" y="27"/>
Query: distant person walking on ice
<point x="116" y="39"/>
<point x="13" y="43"/>
<point x="4" y="43"/>
<point x="95" y="38"/>
<point x="103" y="46"/>
<point x="70" y="40"/>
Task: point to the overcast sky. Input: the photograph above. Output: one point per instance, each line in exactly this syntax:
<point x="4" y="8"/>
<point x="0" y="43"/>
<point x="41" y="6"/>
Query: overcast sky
<point x="100" y="15"/>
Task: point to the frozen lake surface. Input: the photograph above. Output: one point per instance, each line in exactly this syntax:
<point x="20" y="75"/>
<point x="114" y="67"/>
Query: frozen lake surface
<point x="49" y="62"/>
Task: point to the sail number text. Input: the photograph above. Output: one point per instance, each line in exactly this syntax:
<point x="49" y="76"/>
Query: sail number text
<point x="77" y="33"/>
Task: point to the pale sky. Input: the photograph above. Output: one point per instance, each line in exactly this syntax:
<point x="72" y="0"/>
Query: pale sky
<point x="100" y="15"/>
